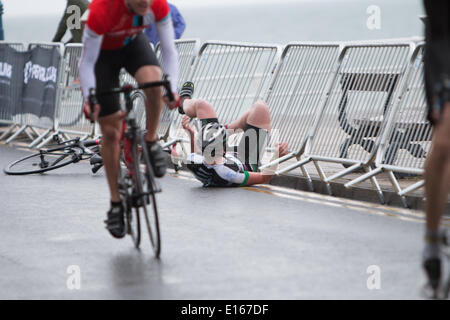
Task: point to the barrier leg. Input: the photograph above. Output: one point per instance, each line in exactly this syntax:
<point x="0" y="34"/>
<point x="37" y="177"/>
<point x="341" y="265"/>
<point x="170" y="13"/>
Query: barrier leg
<point x="377" y="187"/>
<point x="8" y="131"/>
<point x="43" y="143"/>
<point x="397" y="188"/>
<point x="323" y="177"/>
<point x="39" y="138"/>
<point x="308" y="178"/>
<point x="343" y="172"/>
<point x="365" y="176"/>
<point x="293" y="166"/>
<point x="15" y="135"/>
<point x="411" y="188"/>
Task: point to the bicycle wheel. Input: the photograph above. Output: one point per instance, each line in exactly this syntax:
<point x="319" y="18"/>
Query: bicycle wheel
<point x="131" y="212"/>
<point x="146" y="191"/>
<point x="44" y="160"/>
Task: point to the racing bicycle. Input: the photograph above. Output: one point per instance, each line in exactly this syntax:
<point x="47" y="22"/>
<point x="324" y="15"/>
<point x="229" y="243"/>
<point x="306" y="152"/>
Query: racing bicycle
<point x="58" y="156"/>
<point x="137" y="184"/>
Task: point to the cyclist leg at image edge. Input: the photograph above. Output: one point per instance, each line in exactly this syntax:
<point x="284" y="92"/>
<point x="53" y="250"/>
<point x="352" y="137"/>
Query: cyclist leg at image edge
<point x="437" y="186"/>
<point x="437" y="166"/>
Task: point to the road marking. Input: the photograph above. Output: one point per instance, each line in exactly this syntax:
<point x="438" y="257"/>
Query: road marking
<point x="360" y="206"/>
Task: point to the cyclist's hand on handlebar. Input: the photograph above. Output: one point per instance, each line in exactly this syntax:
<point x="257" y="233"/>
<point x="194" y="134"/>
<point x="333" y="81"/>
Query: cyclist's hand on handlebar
<point x="91" y="116"/>
<point x="172" y="104"/>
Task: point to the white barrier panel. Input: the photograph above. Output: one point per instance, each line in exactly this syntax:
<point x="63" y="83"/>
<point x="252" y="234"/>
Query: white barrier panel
<point x="363" y="90"/>
<point x="70" y="117"/>
<point x="410" y="131"/>
<point x="352" y="120"/>
<point x="232" y="76"/>
<point x="407" y="138"/>
<point x="187" y="51"/>
<point x="299" y="88"/>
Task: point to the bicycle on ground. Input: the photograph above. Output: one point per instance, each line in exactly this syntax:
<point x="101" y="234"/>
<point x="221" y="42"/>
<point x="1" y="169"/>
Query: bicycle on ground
<point x="58" y="156"/>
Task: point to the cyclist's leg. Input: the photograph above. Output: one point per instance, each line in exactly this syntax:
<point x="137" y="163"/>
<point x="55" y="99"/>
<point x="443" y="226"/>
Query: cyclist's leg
<point x="107" y="71"/>
<point x="437" y="172"/>
<point x="199" y="108"/>
<point x="154" y="102"/>
<point x="111" y="128"/>
<point x="141" y="62"/>
<point x="256" y="125"/>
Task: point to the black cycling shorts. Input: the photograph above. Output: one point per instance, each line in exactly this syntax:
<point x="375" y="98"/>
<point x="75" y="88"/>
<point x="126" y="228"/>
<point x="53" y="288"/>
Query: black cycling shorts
<point x="134" y="55"/>
<point x="251" y="146"/>
<point x="437" y="47"/>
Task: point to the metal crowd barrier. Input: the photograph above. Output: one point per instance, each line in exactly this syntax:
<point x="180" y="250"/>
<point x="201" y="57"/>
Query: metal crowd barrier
<point x="358" y="105"/>
<point x="232" y="76"/>
<point x="8" y="115"/>
<point x="351" y="121"/>
<point x="407" y="139"/>
<point x="298" y="91"/>
<point x="70" y="117"/>
<point x="33" y="122"/>
<point x="187" y="53"/>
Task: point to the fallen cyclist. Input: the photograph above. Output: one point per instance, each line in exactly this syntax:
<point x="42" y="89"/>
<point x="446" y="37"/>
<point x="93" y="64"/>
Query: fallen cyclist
<point x="210" y="161"/>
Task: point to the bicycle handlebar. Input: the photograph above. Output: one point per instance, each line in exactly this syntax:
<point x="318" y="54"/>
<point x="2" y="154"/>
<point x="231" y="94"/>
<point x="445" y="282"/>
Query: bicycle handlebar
<point x="165" y="82"/>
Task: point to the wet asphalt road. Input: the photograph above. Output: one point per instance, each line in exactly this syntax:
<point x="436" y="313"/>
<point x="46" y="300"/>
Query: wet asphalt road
<point x="216" y="243"/>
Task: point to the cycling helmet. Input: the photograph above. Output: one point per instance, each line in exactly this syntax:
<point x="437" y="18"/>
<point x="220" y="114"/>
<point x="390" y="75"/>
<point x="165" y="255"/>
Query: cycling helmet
<point x="213" y="137"/>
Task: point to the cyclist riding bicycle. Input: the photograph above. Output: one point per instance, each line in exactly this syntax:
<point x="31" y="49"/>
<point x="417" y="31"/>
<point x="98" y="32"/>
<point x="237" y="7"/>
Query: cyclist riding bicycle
<point x="210" y="161"/>
<point x="437" y="166"/>
<point x="113" y="39"/>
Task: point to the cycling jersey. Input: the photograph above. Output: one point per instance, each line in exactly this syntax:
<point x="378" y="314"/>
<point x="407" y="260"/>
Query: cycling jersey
<point x="118" y="25"/>
<point x="229" y="174"/>
<point x="112" y="26"/>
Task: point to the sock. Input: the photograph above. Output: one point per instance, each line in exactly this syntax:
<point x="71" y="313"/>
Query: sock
<point x="432" y="245"/>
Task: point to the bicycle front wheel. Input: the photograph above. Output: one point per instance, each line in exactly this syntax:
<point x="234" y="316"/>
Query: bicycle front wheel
<point x="43" y="161"/>
<point x="145" y="187"/>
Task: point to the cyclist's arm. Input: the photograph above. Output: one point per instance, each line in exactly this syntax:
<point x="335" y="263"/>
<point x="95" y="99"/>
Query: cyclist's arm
<point x="92" y="43"/>
<point x="267" y="174"/>
<point x="169" y="52"/>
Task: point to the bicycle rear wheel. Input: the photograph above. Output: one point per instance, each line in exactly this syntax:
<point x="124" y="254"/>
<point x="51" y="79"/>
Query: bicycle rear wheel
<point x="43" y="161"/>
<point x="146" y="189"/>
<point x="131" y="212"/>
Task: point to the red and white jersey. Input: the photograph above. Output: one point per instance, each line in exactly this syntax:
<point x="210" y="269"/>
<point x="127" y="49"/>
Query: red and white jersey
<point x="117" y="24"/>
<point x="111" y="25"/>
